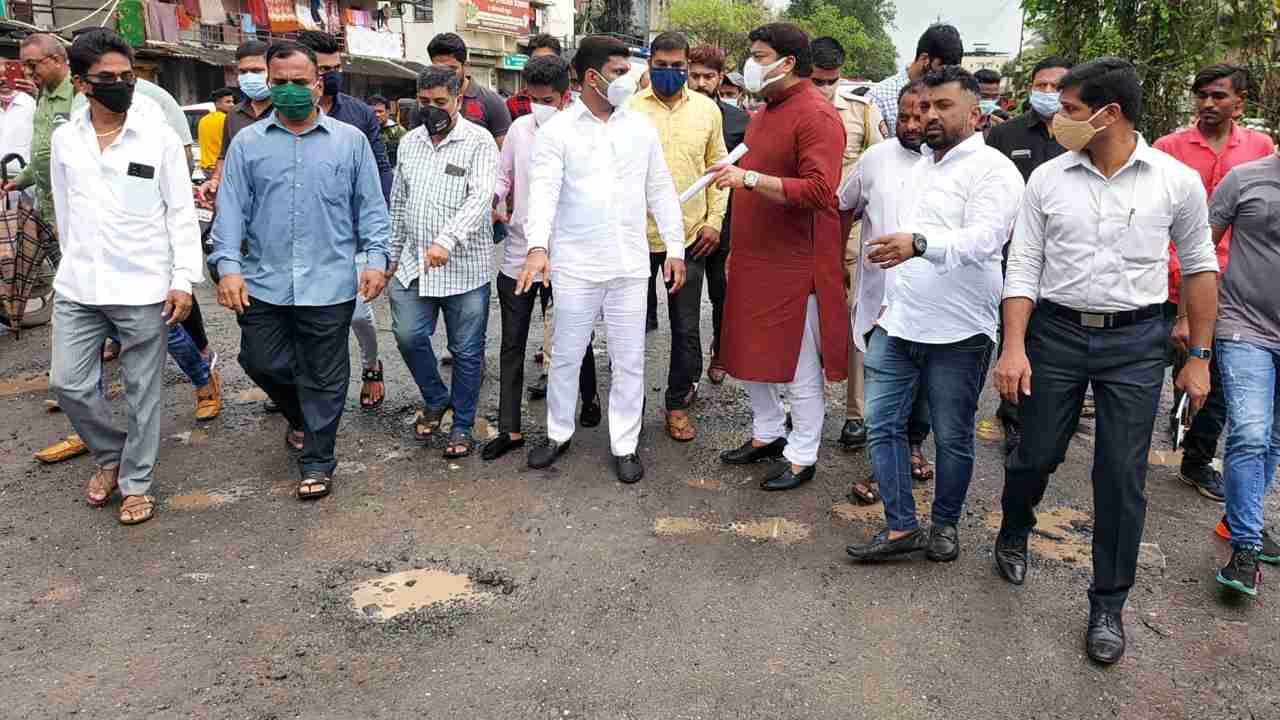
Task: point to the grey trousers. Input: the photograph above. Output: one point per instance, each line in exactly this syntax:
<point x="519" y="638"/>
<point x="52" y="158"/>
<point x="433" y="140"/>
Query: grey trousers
<point x="363" y="325"/>
<point x="78" y="333"/>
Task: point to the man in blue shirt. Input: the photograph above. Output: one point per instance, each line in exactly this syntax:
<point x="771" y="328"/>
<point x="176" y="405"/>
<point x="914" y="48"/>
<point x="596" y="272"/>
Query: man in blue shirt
<point x="300" y="190"/>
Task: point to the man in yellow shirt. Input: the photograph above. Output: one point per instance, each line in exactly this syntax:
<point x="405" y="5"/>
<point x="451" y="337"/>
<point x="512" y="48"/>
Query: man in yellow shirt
<point x="209" y="130"/>
<point x="691" y="130"/>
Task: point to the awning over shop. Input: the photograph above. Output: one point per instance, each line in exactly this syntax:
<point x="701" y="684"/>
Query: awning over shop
<point x="379" y="67"/>
<point x="217" y="57"/>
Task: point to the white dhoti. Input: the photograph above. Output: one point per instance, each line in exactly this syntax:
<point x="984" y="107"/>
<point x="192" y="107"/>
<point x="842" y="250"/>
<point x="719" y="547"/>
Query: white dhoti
<point x="578" y="304"/>
<point x="805" y="391"/>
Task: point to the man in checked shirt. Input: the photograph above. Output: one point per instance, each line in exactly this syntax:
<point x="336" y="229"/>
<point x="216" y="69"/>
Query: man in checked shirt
<point x="442" y="253"/>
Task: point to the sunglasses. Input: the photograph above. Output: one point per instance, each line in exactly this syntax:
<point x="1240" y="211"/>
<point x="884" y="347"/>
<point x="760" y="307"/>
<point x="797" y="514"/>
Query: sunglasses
<point x="825" y="83"/>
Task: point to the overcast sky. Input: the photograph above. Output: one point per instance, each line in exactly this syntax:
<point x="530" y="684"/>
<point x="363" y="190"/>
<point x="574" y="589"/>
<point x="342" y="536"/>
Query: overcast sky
<point x="979" y="21"/>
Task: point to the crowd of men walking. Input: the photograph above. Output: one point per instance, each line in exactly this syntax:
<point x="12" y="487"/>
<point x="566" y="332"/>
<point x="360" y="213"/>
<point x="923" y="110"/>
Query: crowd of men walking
<point x="891" y="240"/>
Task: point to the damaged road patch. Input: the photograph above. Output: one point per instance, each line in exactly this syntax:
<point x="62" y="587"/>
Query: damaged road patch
<point x="389" y="596"/>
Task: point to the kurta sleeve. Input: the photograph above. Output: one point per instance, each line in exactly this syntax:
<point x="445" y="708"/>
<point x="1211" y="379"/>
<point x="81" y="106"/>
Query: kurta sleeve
<point x="819" y="168"/>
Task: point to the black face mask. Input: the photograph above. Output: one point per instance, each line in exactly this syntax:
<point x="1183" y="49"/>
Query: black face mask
<point x="114" y="96"/>
<point x="435" y="120"/>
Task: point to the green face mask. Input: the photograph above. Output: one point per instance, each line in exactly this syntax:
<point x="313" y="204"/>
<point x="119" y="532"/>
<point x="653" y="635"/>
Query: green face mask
<point x="292" y="101"/>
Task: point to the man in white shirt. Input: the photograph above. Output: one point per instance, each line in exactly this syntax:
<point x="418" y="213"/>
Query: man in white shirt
<point x="442" y="252"/>
<point x="597" y="169"/>
<point x="1088" y="276"/>
<point x="130" y="253"/>
<point x="17" y="113"/>
<point x="939" y="322"/>
<point x="547" y="88"/>
<point x="871" y="192"/>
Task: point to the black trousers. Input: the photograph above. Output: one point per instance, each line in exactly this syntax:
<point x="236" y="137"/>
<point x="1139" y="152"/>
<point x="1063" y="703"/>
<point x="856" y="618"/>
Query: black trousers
<point x="299" y="356"/>
<point x="194" y="325"/>
<point x="517" y="314"/>
<point x="715" y="278"/>
<point x="685" y="311"/>
<point x="1125" y="366"/>
<point x="1200" y="443"/>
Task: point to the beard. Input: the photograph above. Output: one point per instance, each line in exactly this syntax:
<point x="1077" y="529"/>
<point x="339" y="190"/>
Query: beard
<point x="911" y="142"/>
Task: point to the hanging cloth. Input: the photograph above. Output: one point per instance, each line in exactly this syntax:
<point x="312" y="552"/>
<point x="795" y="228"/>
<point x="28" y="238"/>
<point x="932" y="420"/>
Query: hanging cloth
<point x="131" y="22"/>
<point x="303" y="13"/>
<point x="211" y="12"/>
<point x="165" y="18"/>
<point x="283" y="16"/>
<point x="192" y="8"/>
<point x="184" y="20"/>
<point x="261" y="16"/>
<point x="246" y="24"/>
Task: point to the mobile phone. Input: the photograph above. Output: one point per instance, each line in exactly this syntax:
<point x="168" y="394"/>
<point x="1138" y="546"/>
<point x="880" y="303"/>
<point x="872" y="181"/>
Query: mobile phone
<point x="13" y="72"/>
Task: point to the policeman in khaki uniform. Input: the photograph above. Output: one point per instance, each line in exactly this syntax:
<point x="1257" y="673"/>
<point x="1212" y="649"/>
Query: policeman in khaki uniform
<point x="863" y="127"/>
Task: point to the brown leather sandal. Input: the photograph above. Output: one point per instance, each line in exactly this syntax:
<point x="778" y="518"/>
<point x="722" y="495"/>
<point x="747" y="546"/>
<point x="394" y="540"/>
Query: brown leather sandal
<point x="372" y="390"/>
<point x="427" y="423"/>
<point x="679" y="427"/>
<point x="137" y="509"/>
<point x="716" y="372"/>
<point x="921" y="470"/>
<point x="102" y="485"/>
<point x="864" y="493"/>
<point x="295" y="439"/>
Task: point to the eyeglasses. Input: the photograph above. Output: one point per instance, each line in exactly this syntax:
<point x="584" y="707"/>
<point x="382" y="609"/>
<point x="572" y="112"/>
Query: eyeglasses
<point x="825" y="83"/>
<point x="301" y="82"/>
<point x="31" y="65"/>
<point x="106" y="78"/>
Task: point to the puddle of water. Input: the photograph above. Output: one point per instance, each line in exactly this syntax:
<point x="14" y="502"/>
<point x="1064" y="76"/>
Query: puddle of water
<point x="668" y="526"/>
<point x="199" y="436"/>
<point x="24" y="384"/>
<point x="854" y="512"/>
<point x="1056" y="536"/>
<point x="205" y="499"/>
<point x="61" y="593"/>
<point x="774" y="528"/>
<point x="386" y="597"/>
<point x="703" y="483"/>
<point x="252" y="395"/>
<point x="989" y="430"/>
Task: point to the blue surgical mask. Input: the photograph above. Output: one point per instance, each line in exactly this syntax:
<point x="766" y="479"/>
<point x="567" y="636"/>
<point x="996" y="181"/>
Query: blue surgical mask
<point x="1045" y="104"/>
<point x="254" y="85"/>
<point x="667" y="81"/>
<point x="988" y="106"/>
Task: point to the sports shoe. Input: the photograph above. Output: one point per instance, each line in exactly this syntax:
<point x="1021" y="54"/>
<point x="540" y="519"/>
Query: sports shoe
<point x="1206" y="480"/>
<point x="1270" y="552"/>
<point x="1242" y="573"/>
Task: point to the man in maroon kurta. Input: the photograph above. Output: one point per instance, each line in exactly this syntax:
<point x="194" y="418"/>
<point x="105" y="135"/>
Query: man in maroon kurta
<point x="785" y="318"/>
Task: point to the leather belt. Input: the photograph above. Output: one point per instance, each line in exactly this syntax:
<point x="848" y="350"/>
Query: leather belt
<point x="1102" y="321"/>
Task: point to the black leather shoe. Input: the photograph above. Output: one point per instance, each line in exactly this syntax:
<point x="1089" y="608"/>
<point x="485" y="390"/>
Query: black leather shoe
<point x="1011" y="557"/>
<point x="543" y="456"/>
<point x="538" y="390"/>
<point x="854" y="435"/>
<point x="590" y="415"/>
<point x="500" y="446"/>
<point x="1105" y="640"/>
<point x="944" y="543"/>
<point x="788" y="480"/>
<point x="1012" y="436"/>
<point x="748" y="453"/>
<point x="882" y="547"/>
<point x="628" y="468"/>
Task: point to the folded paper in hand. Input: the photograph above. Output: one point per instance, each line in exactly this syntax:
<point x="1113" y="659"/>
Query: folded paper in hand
<point x="702" y="182"/>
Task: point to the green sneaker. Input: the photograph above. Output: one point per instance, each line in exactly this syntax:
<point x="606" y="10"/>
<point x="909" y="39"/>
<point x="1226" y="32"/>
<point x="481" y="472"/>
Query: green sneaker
<point x="1270" y="552"/>
<point x="1242" y="573"/>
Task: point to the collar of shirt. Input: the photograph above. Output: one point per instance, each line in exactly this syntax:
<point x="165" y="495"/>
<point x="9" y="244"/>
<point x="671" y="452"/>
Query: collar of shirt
<point x="134" y="124"/>
<point x="788" y="93"/>
<point x="64" y="91"/>
<point x="455" y="135"/>
<point x="579" y="112"/>
<point x="1195" y="137"/>
<point x="322" y="122"/>
<point x="1142" y="152"/>
<point x="967" y="147"/>
<point x="648" y="95"/>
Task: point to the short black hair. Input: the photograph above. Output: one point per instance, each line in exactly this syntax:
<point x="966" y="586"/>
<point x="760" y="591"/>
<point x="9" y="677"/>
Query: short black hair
<point x="320" y="42"/>
<point x="434" y="76"/>
<point x="986" y="76"/>
<point x="787" y="39"/>
<point x="547" y="70"/>
<point x="1053" y="61"/>
<point x="89" y="47"/>
<point x="952" y="74"/>
<point x="251" y="48"/>
<point x="670" y="41"/>
<point x="595" y="50"/>
<point x="543" y="40"/>
<point x="289" y="48"/>
<point x="941" y="42"/>
<point x="915" y="87"/>
<point x="1107" y="80"/>
<point x="221" y="93"/>
<point x="378" y="100"/>
<point x="448" y="44"/>
<point x="1238" y="75"/>
<point x="828" y="53"/>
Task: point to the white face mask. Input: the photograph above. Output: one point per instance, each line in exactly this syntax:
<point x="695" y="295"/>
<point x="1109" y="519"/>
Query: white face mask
<point x="753" y="75"/>
<point x="620" y="89"/>
<point x="542" y="113"/>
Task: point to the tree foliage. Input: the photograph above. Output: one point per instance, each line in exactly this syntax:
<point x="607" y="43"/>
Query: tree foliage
<point x="859" y="25"/>
<point x="723" y="23"/>
<point x="1168" y="41"/>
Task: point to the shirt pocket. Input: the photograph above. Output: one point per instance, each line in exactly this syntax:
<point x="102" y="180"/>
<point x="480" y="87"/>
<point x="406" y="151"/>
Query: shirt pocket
<point x="448" y="191"/>
<point x="137" y="195"/>
<point x="333" y="182"/>
<point x="1145" y="240"/>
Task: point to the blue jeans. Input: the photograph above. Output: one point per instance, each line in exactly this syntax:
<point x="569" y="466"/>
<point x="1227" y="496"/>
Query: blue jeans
<point x="952" y="376"/>
<point x="183" y="350"/>
<point x="466" y="319"/>
<point x="1249" y="375"/>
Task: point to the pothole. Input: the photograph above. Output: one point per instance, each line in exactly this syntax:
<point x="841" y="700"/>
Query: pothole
<point x="389" y="596"/>
<point x="205" y="499"/>
<point x="1062" y="534"/>
<point x="767" y="529"/>
<point x="24" y="384"/>
<point x="854" y="512"/>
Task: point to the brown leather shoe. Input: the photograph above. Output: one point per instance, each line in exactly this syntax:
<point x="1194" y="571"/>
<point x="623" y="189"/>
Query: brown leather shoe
<point x="65" y="449"/>
<point x="209" y="398"/>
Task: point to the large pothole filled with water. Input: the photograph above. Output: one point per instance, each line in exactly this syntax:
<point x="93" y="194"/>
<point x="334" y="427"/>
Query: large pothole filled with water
<point x="412" y="593"/>
<point x="390" y="596"/>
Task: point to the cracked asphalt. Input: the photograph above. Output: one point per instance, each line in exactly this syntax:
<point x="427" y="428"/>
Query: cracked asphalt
<point x="690" y="595"/>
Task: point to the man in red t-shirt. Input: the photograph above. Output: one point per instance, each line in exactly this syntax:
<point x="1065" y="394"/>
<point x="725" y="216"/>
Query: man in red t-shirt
<point x="1211" y="147"/>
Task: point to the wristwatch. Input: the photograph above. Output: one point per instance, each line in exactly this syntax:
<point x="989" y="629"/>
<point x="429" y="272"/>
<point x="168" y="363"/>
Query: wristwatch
<point x="918" y="244"/>
<point x="750" y="180"/>
<point x="1203" y="353"/>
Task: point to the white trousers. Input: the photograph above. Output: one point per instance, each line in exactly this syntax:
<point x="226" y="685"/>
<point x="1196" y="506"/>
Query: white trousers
<point x="805" y="391"/>
<point x="578" y="304"/>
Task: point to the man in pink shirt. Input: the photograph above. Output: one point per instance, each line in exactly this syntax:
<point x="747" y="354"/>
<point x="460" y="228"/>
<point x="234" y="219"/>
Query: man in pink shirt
<point x="1211" y="147"/>
<point x="547" y="86"/>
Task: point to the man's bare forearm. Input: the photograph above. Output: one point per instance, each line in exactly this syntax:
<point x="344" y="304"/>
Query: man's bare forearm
<point x="1017" y="314"/>
<point x="1200" y="303"/>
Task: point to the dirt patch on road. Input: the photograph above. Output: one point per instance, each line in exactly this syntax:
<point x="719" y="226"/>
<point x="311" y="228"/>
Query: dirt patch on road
<point x="1062" y="534"/>
<point x="392" y="595"/>
<point x="24" y="384"/>
<point x="767" y="529"/>
<point x="875" y="513"/>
